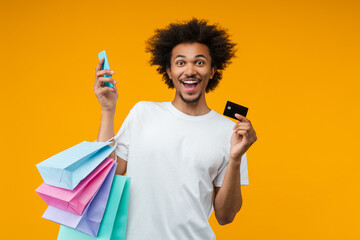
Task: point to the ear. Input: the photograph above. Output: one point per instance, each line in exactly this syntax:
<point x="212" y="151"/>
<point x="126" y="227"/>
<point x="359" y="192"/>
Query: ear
<point x="168" y="72"/>
<point x="213" y="71"/>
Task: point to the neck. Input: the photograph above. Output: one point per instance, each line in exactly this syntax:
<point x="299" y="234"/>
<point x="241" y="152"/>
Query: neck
<point x="197" y="108"/>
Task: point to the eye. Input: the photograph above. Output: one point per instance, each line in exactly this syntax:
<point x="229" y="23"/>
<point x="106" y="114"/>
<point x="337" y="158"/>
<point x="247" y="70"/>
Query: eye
<point x="199" y="63"/>
<point x="180" y="63"/>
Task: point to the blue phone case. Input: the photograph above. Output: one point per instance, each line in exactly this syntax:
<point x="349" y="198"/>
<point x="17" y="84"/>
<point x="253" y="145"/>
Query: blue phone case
<point x="105" y="66"/>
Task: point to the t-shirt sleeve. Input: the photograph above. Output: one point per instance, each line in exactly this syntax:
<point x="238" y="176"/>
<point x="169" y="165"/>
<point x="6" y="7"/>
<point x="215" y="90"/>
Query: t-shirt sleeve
<point x="122" y="138"/>
<point x="244" y="179"/>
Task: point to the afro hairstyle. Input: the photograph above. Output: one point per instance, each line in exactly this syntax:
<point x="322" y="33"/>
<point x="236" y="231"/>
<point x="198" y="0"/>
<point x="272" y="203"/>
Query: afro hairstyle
<point x="222" y="50"/>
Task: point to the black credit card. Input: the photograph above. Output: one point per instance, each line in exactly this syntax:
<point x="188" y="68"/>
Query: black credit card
<point x="232" y="108"/>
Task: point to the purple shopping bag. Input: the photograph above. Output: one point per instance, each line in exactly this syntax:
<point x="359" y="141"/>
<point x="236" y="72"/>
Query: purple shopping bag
<point x="90" y="221"/>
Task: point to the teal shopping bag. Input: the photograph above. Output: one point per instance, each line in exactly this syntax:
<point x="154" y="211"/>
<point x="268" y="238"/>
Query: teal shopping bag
<point x="113" y="225"/>
<point x="67" y="168"/>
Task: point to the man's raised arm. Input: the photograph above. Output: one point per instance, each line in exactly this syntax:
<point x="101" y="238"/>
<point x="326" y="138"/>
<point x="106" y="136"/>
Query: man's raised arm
<point x="107" y="98"/>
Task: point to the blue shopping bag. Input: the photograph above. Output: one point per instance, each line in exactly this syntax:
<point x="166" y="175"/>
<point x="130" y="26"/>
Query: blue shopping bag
<point x="67" y="168"/>
<point x="89" y="222"/>
<point x="113" y="225"/>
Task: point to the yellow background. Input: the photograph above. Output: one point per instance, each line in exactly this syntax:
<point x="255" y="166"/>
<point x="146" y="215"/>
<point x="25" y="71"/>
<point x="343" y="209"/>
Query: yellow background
<point x="297" y="70"/>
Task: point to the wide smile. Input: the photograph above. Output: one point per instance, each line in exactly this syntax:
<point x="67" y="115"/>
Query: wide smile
<point x="190" y="85"/>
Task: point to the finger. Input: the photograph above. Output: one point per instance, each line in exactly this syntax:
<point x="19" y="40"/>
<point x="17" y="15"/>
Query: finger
<point x="106" y="90"/>
<point x="241" y="118"/>
<point x="107" y="79"/>
<point x="243" y="124"/>
<point x="98" y="67"/>
<point x="100" y="82"/>
<point x="243" y="133"/>
<point x="103" y="72"/>
<point x="245" y="128"/>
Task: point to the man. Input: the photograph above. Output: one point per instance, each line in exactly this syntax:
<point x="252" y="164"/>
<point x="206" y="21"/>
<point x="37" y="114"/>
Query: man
<point x="183" y="158"/>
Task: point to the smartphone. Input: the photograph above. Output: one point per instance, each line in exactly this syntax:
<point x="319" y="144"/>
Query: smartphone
<point x="105" y="66"/>
<point x="232" y="108"/>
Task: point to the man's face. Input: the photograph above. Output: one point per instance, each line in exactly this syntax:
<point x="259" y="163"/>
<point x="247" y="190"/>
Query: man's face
<point x="190" y="70"/>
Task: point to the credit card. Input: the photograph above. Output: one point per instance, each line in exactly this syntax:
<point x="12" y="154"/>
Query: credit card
<point x="232" y="108"/>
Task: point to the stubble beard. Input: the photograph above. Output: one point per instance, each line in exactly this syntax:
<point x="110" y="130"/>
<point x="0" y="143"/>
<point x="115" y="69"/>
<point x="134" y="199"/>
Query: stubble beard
<point x="190" y="101"/>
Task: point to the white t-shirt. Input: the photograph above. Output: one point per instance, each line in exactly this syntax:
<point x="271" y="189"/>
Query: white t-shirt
<point x="173" y="160"/>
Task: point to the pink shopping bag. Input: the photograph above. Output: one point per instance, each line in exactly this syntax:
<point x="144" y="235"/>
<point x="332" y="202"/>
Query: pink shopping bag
<point x="75" y="201"/>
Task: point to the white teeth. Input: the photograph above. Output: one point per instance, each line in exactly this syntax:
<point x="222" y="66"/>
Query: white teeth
<point x="190" y="82"/>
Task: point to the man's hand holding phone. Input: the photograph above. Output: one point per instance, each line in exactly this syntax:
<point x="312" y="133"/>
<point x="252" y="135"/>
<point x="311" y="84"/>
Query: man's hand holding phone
<point x="107" y="96"/>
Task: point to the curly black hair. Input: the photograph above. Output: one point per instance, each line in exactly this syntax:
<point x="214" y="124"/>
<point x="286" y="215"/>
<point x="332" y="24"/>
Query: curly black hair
<point x="215" y="38"/>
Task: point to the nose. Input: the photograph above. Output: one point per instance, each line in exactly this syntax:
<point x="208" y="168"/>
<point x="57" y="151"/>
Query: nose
<point x="190" y="70"/>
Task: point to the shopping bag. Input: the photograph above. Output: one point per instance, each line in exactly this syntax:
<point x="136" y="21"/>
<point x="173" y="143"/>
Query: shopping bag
<point x="76" y="200"/>
<point x="113" y="225"/>
<point x="66" y="169"/>
<point x="90" y="221"/>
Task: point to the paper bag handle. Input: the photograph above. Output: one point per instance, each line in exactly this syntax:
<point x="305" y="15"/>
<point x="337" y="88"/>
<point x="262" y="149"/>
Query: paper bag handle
<point x="113" y="139"/>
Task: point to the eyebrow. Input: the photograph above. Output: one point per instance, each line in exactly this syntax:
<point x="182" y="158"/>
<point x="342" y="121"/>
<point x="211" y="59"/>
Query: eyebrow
<point x="197" y="56"/>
